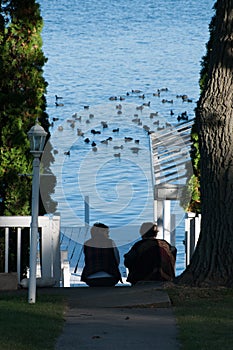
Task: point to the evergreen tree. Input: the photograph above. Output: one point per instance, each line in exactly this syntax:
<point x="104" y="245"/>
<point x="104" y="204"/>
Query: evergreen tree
<point x="22" y="101"/>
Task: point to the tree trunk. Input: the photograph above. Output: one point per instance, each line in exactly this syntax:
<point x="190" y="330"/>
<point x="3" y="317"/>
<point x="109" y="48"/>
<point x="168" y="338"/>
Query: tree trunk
<point x="212" y="262"/>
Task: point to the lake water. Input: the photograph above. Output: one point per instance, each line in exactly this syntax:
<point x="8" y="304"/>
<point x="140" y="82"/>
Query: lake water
<point x="100" y="49"/>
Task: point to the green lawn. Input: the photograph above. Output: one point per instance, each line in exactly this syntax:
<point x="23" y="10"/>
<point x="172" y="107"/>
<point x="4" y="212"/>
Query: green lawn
<point x="30" y="326"/>
<point x="204" y="316"/>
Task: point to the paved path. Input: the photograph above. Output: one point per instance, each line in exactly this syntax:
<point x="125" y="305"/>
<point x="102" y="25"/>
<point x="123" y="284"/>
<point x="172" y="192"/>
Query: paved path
<point x="138" y="318"/>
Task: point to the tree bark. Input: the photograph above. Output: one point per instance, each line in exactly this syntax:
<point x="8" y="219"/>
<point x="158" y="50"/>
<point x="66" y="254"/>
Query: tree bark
<point x="212" y="262"/>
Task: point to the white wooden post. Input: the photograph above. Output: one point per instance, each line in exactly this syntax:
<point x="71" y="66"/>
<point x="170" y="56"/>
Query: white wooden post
<point x="46" y="245"/>
<point x="50" y="241"/>
<point x="65" y="268"/>
<point x="55" y="232"/>
<point x="87" y="210"/>
<point x="6" y="249"/>
<point x="167" y="220"/>
<point x="173" y="230"/>
<point x="19" y="253"/>
<point x="66" y="273"/>
<point x="197" y="228"/>
<point x="160" y="219"/>
<point x="189" y="240"/>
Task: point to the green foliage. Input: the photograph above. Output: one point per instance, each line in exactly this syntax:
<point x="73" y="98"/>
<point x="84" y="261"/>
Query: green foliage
<point x="205" y="59"/>
<point x="22" y="101"/>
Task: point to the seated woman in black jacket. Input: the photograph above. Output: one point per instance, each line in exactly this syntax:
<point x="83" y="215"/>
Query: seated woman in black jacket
<point x="101" y="258"/>
<point x="150" y="259"/>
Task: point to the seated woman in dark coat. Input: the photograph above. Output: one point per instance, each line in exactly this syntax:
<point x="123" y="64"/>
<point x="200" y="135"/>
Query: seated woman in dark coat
<point x="150" y="259"/>
<point x="101" y="258"/>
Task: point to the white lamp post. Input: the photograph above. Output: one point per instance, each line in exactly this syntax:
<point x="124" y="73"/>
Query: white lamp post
<point x="37" y="136"/>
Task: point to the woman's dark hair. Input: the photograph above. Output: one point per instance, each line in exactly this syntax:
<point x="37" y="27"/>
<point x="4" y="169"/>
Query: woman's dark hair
<point x="99" y="224"/>
<point x="98" y="230"/>
<point x="148" y="229"/>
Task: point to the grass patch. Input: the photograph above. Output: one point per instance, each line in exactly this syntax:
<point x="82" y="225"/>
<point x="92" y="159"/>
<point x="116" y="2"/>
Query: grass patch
<point x="30" y="326"/>
<point x="204" y="316"/>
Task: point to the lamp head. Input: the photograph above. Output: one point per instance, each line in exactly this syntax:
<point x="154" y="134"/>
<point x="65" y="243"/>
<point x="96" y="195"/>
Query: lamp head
<point x="37" y="136"/>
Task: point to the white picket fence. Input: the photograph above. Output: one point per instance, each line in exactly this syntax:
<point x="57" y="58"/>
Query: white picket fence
<point x="49" y="262"/>
<point x="53" y="262"/>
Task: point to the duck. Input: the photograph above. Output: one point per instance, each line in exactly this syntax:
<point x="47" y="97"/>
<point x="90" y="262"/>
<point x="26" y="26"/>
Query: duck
<point x="135" y="149"/>
<point x="67" y="153"/>
<point x="166" y="101"/>
<point x="182" y="117"/>
<point x="79" y="132"/>
<point x="76" y="117"/>
<point x="146" y="104"/>
<point x="136" y="120"/>
<point x="154" y="114"/>
<point x="136" y="91"/>
<point x="87" y="140"/>
<point x="104" y="125"/>
<point x="112" y="98"/>
<point x="145" y="127"/>
<point x="95" y="132"/>
<point x="168" y="125"/>
<point x="60" y="128"/>
<point x="58" y="97"/>
<point x="55" y="119"/>
<point x="86" y="107"/>
<point x="94" y="149"/>
<point x="105" y="142"/>
<point x="128" y="139"/>
<point x="118" y="147"/>
<point x="93" y="144"/>
<point x="59" y="104"/>
<point x="117" y="155"/>
<point x="115" y="130"/>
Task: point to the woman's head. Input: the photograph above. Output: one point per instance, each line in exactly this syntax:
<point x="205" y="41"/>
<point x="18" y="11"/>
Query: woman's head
<point x="99" y="230"/>
<point x="148" y="229"/>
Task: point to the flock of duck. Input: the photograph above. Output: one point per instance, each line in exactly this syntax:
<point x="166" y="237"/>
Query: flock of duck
<point x="93" y="136"/>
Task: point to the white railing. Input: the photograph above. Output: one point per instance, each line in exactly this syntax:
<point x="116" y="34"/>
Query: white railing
<point x="54" y="263"/>
<point x="50" y="263"/>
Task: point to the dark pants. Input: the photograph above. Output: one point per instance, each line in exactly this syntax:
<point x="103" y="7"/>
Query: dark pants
<point x="101" y="282"/>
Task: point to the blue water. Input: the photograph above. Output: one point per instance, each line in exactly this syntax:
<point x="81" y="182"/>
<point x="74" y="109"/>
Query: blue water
<point x="99" y="49"/>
